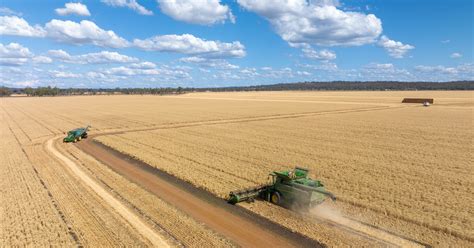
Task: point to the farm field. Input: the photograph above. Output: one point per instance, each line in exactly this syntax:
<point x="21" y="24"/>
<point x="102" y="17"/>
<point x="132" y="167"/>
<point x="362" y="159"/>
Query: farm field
<point x="400" y="167"/>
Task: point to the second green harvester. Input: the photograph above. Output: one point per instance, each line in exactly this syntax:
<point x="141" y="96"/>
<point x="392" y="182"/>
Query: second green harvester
<point x="290" y="189"/>
<point x="76" y="134"/>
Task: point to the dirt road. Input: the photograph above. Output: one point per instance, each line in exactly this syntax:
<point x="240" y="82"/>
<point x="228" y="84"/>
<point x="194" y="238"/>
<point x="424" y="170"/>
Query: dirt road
<point x="239" y="227"/>
<point x="126" y="213"/>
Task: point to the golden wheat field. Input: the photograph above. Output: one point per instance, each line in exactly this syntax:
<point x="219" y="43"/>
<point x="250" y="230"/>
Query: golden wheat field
<point x="403" y="168"/>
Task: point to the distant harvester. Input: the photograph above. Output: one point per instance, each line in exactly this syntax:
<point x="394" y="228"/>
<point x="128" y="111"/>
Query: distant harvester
<point x="418" y="100"/>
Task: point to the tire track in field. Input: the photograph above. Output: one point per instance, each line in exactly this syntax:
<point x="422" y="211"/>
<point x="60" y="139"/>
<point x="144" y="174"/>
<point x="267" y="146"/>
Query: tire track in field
<point x="18" y="125"/>
<point x="140" y="226"/>
<point x="35" y="119"/>
<point x="247" y="119"/>
<point x="278" y="100"/>
<point x="127" y="202"/>
<point x="62" y="216"/>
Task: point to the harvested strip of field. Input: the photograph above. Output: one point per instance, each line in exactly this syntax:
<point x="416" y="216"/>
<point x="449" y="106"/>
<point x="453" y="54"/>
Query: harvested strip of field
<point x="28" y="215"/>
<point x="141" y="227"/>
<point x="158" y="213"/>
<point x="398" y="163"/>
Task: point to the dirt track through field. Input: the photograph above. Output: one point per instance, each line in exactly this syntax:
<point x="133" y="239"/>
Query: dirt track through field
<point x="240" y="229"/>
<point x="127" y="214"/>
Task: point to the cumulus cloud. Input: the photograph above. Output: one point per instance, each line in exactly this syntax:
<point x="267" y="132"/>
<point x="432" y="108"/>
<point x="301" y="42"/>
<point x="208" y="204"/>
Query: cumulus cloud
<point x="303" y="73"/>
<point x="437" y="69"/>
<point x="213" y="63"/>
<point x="189" y="44"/>
<point x="14" y="25"/>
<point x="9" y="12"/>
<point x="165" y="72"/>
<point x="42" y="60"/>
<point x="395" y="49"/>
<point x="131" y="4"/>
<point x="73" y="8"/>
<point x="203" y="12"/>
<point x="387" y="66"/>
<point x="63" y="74"/>
<point x="300" y="22"/>
<point x="441" y="72"/>
<point x="102" y="57"/>
<point x="456" y="55"/>
<point x="320" y="55"/>
<point x="85" y="32"/>
<point x="143" y="65"/>
<point x="14" y="54"/>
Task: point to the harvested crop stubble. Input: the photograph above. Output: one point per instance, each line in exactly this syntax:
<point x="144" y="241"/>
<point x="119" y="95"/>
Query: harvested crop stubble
<point x="158" y="213"/>
<point x="28" y="217"/>
<point x="427" y="148"/>
<point x="44" y="203"/>
<point x="60" y="114"/>
<point x="409" y="164"/>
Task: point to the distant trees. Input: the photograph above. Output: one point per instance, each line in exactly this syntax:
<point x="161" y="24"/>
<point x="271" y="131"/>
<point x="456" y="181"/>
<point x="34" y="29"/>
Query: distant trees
<point x="42" y="91"/>
<point x="343" y="85"/>
<point x="54" y="91"/>
<point x="336" y="85"/>
<point x="4" y="91"/>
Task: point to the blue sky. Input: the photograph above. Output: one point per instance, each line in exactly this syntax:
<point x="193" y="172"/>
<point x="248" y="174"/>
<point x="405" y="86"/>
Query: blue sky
<point x="210" y="43"/>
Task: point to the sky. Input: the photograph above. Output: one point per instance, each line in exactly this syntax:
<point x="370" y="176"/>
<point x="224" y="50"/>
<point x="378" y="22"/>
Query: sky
<point x="216" y="43"/>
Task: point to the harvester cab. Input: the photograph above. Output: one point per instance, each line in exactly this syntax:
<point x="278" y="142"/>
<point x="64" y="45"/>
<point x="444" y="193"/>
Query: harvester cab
<point x="290" y="189"/>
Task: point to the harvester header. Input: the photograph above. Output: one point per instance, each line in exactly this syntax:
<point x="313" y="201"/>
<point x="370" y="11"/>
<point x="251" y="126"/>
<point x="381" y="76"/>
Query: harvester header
<point x="291" y="189"/>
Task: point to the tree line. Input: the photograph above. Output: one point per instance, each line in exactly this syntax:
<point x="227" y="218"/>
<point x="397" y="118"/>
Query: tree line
<point x="335" y="85"/>
<point x="361" y="86"/>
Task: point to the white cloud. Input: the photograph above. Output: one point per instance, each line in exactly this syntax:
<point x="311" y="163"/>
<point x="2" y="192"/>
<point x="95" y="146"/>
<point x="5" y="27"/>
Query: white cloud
<point x="165" y="72"/>
<point x="456" y="55"/>
<point x="85" y="32"/>
<point x="204" y="12"/>
<point x="143" y="65"/>
<point x="73" y="8"/>
<point x="42" y="60"/>
<point x="300" y="22"/>
<point x="9" y="12"/>
<point x="445" y="41"/>
<point x="63" y="74"/>
<point x="14" y="25"/>
<point x="395" y="49"/>
<point x="437" y="69"/>
<point x="380" y="66"/>
<point x="131" y="4"/>
<point x="189" y="44"/>
<point x="324" y="66"/>
<point x="60" y="54"/>
<point x="320" y="55"/>
<point x="14" y="54"/>
<point x="303" y="73"/>
<point x="102" y="57"/>
<point x="214" y="63"/>
<point x="446" y="73"/>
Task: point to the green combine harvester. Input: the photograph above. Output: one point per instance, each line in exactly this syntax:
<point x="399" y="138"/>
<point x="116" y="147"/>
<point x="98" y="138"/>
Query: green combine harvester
<point x="290" y="189"/>
<point x="76" y="134"/>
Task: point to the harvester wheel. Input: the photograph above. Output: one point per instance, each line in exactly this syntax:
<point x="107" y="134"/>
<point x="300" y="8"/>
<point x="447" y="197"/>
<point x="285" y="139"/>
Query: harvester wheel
<point x="275" y="198"/>
<point x="79" y="138"/>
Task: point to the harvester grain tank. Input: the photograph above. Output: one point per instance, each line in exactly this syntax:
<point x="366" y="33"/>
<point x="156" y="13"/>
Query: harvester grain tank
<point x="76" y="134"/>
<point x="290" y="189"/>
